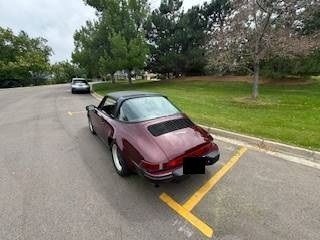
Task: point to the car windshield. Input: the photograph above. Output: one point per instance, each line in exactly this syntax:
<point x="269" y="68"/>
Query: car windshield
<point x="146" y="108"/>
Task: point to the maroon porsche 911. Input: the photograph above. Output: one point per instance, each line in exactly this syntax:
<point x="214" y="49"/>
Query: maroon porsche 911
<point x="149" y="135"/>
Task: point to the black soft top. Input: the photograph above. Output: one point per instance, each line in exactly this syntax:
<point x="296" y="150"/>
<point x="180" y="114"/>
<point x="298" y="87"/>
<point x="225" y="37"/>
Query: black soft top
<point x="123" y="95"/>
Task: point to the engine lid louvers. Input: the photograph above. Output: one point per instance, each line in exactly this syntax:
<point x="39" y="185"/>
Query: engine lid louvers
<point x="169" y="126"/>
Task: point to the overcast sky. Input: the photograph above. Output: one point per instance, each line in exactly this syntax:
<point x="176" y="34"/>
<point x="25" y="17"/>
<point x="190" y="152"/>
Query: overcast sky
<point x="55" y="20"/>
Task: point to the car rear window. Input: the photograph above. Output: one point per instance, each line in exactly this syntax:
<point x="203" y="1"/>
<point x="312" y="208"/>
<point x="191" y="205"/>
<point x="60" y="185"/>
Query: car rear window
<point x="146" y="108"/>
<point x="79" y="81"/>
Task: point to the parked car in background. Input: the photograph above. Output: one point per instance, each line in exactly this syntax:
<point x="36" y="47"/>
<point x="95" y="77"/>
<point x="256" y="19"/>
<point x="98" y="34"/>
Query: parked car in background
<point x="149" y="135"/>
<point x="80" y="85"/>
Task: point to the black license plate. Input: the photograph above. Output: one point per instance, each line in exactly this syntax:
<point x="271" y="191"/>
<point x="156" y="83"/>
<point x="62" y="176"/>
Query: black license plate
<point x="194" y="165"/>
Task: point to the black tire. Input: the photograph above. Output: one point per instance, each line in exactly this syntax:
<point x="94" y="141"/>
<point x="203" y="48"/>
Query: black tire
<point x="72" y="91"/>
<point x="91" y="128"/>
<point x="119" y="163"/>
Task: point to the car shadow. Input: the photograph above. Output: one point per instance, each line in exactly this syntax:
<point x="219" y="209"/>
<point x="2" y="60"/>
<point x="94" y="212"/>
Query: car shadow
<point x="128" y="196"/>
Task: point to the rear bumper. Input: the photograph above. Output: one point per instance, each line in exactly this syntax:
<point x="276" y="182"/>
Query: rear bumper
<point x="212" y="157"/>
<point x="177" y="174"/>
<point x="82" y="89"/>
<point x="163" y="177"/>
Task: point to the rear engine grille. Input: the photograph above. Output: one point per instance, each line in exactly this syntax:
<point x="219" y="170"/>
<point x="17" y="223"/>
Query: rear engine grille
<point x="169" y="126"/>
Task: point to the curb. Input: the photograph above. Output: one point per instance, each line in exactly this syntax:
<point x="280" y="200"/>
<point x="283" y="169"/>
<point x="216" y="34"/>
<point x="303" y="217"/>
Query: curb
<point x="95" y="95"/>
<point x="259" y="143"/>
<point x="267" y="145"/>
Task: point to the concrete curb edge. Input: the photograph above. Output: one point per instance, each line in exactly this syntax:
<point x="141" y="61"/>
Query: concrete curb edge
<point x="267" y="145"/>
<point x="95" y="95"/>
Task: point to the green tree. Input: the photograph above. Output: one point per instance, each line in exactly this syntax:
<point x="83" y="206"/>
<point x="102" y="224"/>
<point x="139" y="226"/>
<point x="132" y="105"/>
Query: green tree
<point x="178" y="39"/>
<point x="162" y="34"/>
<point x="311" y="19"/>
<point x="23" y="60"/>
<point x="64" y="71"/>
<point x="114" y="60"/>
<point x="114" y="39"/>
<point x="88" y="48"/>
<point x="137" y="53"/>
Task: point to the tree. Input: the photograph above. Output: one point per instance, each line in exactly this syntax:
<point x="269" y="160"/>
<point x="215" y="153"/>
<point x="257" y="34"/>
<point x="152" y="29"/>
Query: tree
<point x="137" y="53"/>
<point x="88" y="48"/>
<point x="311" y="19"/>
<point x="178" y="39"/>
<point x="114" y="39"/>
<point x="64" y="71"/>
<point x="195" y="25"/>
<point x="259" y="29"/>
<point x="116" y="58"/>
<point x="23" y="60"/>
<point x="161" y="33"/>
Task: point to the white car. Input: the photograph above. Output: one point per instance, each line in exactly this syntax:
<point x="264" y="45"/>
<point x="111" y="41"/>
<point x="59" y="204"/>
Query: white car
<point x="80" y="85"/>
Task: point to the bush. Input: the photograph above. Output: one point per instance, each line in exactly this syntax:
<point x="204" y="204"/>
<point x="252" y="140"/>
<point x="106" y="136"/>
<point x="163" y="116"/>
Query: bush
<point x="64" y="71"/>
<point x="279" y="67"/>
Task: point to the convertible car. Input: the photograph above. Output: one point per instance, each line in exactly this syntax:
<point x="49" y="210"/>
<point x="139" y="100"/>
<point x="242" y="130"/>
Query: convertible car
<point x="149" y="135"/>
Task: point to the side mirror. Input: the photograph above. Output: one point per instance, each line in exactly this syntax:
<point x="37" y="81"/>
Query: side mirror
<point x="90" y="107"/>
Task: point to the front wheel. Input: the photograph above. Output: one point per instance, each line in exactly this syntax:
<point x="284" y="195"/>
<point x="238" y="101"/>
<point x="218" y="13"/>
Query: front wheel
<point x="118" y="162"/>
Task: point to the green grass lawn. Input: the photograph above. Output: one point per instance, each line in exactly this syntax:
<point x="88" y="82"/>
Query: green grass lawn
<point x="285" y="113"/>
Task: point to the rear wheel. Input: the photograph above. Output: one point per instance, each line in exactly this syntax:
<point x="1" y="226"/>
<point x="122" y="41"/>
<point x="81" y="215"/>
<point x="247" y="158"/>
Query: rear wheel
<point x="118" y="162"/>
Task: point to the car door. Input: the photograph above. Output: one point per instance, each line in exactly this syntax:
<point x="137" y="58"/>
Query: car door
<point x="106" y="115"/>
<point x="96" y="116"/>
<point x="95" y="120"/>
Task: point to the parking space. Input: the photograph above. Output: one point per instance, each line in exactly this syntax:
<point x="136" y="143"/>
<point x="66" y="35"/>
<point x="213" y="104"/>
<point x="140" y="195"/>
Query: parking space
<point x="258" y="199"/>
<point x="265" y="198"/>
<point x="71" y="191"/>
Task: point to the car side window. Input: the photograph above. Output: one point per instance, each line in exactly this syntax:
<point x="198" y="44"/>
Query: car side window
<point x="126" y="113"/>
<point x="109" y="106"/>
<point x="122" y="115"/>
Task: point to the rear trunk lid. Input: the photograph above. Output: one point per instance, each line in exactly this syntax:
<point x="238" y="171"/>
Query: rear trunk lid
<point x="177" y="135"/>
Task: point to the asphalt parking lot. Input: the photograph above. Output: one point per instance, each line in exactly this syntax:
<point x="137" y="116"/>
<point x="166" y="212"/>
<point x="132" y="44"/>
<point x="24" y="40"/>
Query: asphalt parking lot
<point x="57" y="182"/>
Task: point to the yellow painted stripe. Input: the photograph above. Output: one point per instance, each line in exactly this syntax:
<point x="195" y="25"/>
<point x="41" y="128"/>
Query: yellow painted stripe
<point x="204" y="228"/>
<point x="72" y="113"/>
<point x="198" y="195"/>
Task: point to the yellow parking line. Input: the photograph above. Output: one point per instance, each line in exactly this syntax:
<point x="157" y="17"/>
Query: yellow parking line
<point x="185" y="209"/>
<point x="204" y="228"/>
<point x="198" y="195"/>
<point x="72" y="113"/>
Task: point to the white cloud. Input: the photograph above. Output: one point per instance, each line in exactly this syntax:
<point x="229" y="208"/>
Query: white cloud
<point x="55" y="20"/>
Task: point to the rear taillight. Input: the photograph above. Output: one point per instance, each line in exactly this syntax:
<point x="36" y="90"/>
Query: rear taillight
<point x="150" y="167"/>
<point x="178" y="162"/>
<point x="173" y="163"/>
<point x="198" y="152"/>
<point x="201" y="151"/>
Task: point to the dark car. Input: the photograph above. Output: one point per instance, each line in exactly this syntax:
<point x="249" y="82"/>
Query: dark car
<point x="80" y="85"/>
<point x="149" y="135"/>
